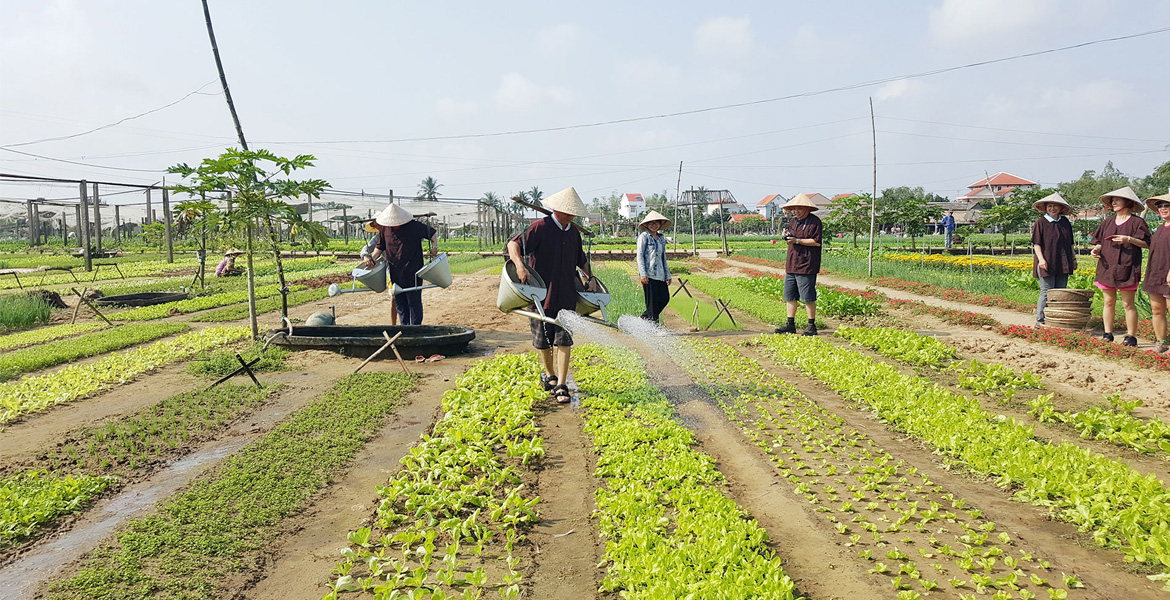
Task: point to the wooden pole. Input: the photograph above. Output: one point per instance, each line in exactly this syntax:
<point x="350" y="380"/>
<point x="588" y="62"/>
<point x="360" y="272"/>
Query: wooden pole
<point x="873" y="199"/>
<point x="677" y="186"/>
<point x="64" y="231"/>
<point x="344" y="225"/>
<point x="149" y="213"/>
<point x="166" y="206"/>
<point x="117" y="225"/>
<point x="84" y="237"/>
<point x="97" y="216"/>
<point x="389" y="342"/>
<point x="77" y="223"/>
<point x="31" y="235"/>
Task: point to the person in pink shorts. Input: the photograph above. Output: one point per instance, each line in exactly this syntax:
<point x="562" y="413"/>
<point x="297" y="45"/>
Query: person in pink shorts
<point x="1118" y="245"/>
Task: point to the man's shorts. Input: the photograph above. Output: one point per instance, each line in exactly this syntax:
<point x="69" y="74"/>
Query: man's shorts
<point x="547" y="335"/>
<point x="802" y="287"/>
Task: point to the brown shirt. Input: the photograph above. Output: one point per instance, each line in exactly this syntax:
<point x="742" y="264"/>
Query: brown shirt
<point x="1120" y="265"/>
<point x="804" y="260"/>
<point x="554" y="254"/>
<point x="1056" y="246"/>
<point x="1159" y="264"/>
<point x="402" y="247"/>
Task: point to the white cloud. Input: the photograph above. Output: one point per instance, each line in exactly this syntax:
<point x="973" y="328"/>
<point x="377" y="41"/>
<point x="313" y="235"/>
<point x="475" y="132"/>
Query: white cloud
<point x="724" y="37"/>
<point x="559" y="40"/>
<point x="963" y="21"/>
<point x="453" y="111"/>
<point x="900" y="88"/>
<point x="518" y="94"/>
<point x="1091" y="97"/>
<point x="648" y="73"/>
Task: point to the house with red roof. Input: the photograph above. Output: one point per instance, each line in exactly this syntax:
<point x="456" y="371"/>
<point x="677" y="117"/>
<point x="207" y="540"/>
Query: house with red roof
<point x="770" y="205"/>
<point x="996" y="187"/>
<point x="632" y="206"/>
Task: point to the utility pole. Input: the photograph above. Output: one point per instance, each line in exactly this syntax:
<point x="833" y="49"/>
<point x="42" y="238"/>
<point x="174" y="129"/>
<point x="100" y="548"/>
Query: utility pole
<point x="723" y="228"/>
<point x="84" y="224"/>
<point x="117" y="225"/>
<point x="873" y="199"/>
<point x="149" y="213"/>
<point x="677" y="185"/>
<point x="694" y="251"/>
<point x="31" y="228"/>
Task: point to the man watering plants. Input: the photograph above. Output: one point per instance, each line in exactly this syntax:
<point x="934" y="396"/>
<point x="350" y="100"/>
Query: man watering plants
<point x="400" y="239"/>
<point x="803" y="235"/>
<point x="371" y="226"/>
<point x="552" y="247"/>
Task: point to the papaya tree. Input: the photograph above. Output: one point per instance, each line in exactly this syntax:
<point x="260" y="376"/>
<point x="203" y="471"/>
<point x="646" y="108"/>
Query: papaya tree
<point x="260" y="183"/>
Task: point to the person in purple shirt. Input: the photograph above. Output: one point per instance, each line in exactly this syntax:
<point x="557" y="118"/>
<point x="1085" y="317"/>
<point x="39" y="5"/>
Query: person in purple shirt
<point x="227" y="266"/>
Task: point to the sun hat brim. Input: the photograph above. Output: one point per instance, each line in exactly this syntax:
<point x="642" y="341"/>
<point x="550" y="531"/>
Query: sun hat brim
<point x="565" y="201"/>
<point x="393" y="216"/>
<point x="800" y="201"/>
<point x="1125" y="193"/>
<point x="1055" y="198"/>
<point x="653" y="216"/>
<point x="1152" y="200"/>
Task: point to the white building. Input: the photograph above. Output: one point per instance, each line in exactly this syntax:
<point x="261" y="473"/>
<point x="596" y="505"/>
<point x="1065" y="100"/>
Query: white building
<point x="632" y="206"/>
<point x="770" y="205"/>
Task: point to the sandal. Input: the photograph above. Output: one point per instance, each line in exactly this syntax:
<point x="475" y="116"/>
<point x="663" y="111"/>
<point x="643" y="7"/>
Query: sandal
<point x="562" y="394"/>
<point x="548" y="382"/>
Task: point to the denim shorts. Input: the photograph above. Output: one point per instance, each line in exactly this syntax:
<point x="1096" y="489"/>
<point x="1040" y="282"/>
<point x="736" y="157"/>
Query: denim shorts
<point x="800" y="287"/>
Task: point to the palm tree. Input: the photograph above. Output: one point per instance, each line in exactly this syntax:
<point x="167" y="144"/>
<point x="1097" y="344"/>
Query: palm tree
<point x="535" y="195"/>
<point x="428" y="189"/>
<point x="491" y="199"/>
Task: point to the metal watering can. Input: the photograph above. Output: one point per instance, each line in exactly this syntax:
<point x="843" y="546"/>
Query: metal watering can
<point x="514" y="297"/>
<point x="437" y="273"/>
<point x="373" y="278"/>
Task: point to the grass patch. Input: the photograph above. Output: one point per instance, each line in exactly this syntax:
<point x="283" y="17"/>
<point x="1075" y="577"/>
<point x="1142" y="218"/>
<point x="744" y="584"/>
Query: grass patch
<point x="626" y="296"/>
<point x="21" y="311"/>
<point x="13" y="364"/>
<point x="470" y="263"/>
<point x="685" y="306"/>
<point x="226" y="518"/>
<point x="220" y="363"/>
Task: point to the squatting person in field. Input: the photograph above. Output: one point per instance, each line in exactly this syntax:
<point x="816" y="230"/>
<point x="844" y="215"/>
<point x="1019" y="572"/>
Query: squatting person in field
<point x="227" y="267"/>
<point x="400" y="239"/>
<point x="552" y="247"/>
<point x="1118" y="245"/>
<point x="1157" y="283"/>
<point x="1052" y="249"/>
<point x="653" y="273"/>
<point x="803" y="235"/>
<point x="366" y="254"/>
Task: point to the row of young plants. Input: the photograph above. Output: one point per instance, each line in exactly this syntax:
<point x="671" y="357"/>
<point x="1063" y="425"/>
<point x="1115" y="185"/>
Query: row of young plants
<point x="703" y="313"/>
<point x="227" y="520"/>
<point x="22" y="311"/>
<point x="832" y="301"/>
<point x="74" y="382"/>
<point x="915" y="533"/>
<point x="96" y="459"/>
<point x="46" y="334"/>
<point x="17" y="362"/>
<point x="233" y="313"/>
<point x="31" y="498"/>
<point x="1115" y="423"/>
<point x="626" y="296"/>
<point x="1119" y="507"/>
<point x="190" y="305"/>
<point x="144" y="268"/>
<point x="758" y="305"/>
<point x="449" y="521"/>
<point x="671" y="529"/>
<point x="964" y="318"/>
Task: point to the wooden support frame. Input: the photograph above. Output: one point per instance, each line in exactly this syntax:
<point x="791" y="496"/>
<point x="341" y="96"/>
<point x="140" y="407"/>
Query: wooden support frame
<point x="389" y="342"/>
<point x="245" y="367"/>
<point x="682" y="287"/>
<point x="723" y="308"/>
<point x="82" y="298"/>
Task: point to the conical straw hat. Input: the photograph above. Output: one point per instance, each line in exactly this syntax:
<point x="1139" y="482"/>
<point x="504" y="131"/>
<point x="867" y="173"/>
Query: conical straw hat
<point x="233" y="252"/>
<point x="1053" y="198"/>
<point x="800" y="200"/>
<point x="566" y="201"/>
<point x="1152" y="200"/>
<point x="654" y="216"/>
<point x="393" y="216"/>
<point x="1125" y="192"/>
<point x="369" y="226"/>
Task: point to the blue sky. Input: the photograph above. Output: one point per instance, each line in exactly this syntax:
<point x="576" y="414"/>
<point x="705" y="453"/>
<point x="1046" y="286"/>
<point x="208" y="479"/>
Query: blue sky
<point x="373" y="88"/>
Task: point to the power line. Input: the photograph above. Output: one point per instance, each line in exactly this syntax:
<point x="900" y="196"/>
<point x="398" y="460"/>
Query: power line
<point x="109" y="125"/>
<point x="841" y="88"/>
<point x="1098" y="137"/>
<point x="73" y="162"/>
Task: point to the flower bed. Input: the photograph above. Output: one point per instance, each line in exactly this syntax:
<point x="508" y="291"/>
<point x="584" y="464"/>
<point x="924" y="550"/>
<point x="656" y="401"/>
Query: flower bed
<point x="965" y="318"/>
<point x="1077" y="341"/>
<point x="927" y="289"/>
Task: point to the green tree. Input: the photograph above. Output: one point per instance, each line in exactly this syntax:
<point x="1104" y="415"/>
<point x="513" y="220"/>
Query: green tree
<point x="428" y="189"/>
<point x="850" y="215"/>
<point x="199" y="216"/>
<point x="259" y="182"/>
<point x="1014" y="212"/>
<point x="1155" y="184"/>
<point x="908" y="208"/>
<point x="535" y="196"/>
<point x="1086" y="192"/>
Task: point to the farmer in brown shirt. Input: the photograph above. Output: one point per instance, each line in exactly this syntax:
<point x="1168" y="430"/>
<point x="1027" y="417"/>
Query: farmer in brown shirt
<point x="803" y="235"/>
<point x="1052" y="249"/>
<point x="1157" y="283"/>
<point x="552" y="247"/>
<point x="1118" y="245"/>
